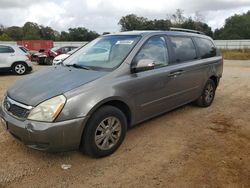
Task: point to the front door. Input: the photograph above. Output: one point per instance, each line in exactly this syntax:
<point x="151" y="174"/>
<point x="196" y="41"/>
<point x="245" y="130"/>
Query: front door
<point x="152" y="88"/>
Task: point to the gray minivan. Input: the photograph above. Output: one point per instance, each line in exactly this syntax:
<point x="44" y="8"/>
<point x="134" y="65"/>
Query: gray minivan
<point x="109" y="85"/>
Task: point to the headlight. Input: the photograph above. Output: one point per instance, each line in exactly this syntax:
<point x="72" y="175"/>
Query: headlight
<point x="48" y="110"/>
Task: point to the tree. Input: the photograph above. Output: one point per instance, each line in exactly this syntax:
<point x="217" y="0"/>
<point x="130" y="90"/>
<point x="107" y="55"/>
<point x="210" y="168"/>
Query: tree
<point x="177" y="18"/>
<point x="236" y="27"/>
<point x="31" y="31"/>
<point x="64" y="36"/>
<point x="78" y="34"/>
<point x="5" y="37"/>
<point x="1" y="29"/>
<point x="47" y="33"/>
<point x="158" y="24"/>
<point x="15" y="32"/>
<point x="197" y="25"/>
<point x="132" y="22"/>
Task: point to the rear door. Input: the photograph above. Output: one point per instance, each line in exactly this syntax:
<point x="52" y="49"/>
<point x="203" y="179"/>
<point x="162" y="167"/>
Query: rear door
<point x="6" y="55"/>
<point x="187" y="72"/>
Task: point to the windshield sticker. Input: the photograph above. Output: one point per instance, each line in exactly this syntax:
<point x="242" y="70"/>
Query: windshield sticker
<point x="126" y="42"/>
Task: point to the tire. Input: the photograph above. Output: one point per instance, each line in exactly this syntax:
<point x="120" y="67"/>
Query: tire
<point x="98" y="139"/>
<point x="20" y="68"/>
<point x="208" y="94"/>
<point x="41" y="61"/>
<point x="49" y="60"/>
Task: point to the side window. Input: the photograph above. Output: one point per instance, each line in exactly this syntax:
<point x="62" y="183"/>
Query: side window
<point x="206" y="48"/>
<point x="65" y="50"/>
<point x="6" y="49"/>
<point x="154" y="49"/>
<point x="184" y="48"/>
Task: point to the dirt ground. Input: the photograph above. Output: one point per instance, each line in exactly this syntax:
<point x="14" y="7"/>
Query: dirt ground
<point x="188" y="147"/>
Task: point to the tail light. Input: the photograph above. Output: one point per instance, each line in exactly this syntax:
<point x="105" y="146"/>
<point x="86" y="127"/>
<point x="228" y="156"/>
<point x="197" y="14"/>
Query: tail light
<point x="28" y="56"/>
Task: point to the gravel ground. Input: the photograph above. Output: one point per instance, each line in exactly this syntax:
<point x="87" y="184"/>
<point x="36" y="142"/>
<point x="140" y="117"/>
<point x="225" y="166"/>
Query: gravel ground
<point x="188" y="147"/>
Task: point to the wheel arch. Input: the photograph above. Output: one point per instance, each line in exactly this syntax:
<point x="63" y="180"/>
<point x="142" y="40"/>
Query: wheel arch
<point x="115" y="102"/>
<point x="15" y="62"/>
<point x="215" y="79"/>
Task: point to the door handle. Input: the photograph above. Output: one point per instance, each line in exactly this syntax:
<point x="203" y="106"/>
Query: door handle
<point x="175" y="73"/>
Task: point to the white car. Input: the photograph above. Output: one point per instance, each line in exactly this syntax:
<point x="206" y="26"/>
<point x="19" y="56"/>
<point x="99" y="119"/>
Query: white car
<point x="60" y="58"/>
<point x="14" y="59"/>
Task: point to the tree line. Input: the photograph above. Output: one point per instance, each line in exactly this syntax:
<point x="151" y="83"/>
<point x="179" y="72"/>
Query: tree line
<point x="134" y="22"/>
<point x="235" y="27"/>
<point x="33" y="31"/>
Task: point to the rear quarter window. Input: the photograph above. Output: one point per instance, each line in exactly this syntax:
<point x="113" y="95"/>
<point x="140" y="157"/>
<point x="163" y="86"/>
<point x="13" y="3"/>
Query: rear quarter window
<point x="206" y="48"/>
<point x="23" y="49"/>
<point x="184" y="48"/>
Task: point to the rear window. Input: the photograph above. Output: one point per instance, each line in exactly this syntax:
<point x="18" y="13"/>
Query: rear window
<point x="25" y="50"/>
<point x="206" y="48"/>
<point x="6" y="49"/>
<point x="184" y="48"/>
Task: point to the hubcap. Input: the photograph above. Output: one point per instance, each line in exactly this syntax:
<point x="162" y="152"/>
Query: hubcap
<point x="20" y="69"/>
<point x="108" y="133"/>
<point x="209" y="93"/>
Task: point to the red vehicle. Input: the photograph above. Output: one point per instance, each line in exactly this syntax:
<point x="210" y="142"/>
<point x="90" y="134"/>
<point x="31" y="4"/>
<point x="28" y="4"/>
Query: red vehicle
<point x="46" y="57"/>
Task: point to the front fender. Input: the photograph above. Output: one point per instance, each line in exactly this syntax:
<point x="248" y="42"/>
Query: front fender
<point x="83" y="104"/>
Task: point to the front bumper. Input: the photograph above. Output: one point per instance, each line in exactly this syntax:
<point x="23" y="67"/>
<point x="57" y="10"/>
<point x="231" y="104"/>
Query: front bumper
<point x="52" y="137"/>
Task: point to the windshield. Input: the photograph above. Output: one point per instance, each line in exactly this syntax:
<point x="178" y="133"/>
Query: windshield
<point x="104" y="53"/>
<point x="72" y="51"/>
<point x="55" y="49"/>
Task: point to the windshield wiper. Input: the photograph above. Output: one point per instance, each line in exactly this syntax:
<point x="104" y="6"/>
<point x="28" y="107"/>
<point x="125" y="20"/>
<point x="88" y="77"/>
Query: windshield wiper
<point x="78" y="66"/>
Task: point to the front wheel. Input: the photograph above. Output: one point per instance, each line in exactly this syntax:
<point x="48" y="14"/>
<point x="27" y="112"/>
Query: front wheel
<point x="104" y="132"/>
<point x="49" y="60"/>
<point x="207" y="97"/>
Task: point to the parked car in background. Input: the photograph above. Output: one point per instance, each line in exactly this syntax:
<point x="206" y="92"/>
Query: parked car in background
<point x="60" y="58"/>
<point x="35" y="54"/>
<point x="14" y="59"/>
<point x="48" y="55"/>
<point x="89" y="103"/>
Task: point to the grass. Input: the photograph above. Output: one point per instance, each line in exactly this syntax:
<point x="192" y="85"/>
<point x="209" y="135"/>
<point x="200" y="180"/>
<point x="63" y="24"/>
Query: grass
<point x="236" y="54"/>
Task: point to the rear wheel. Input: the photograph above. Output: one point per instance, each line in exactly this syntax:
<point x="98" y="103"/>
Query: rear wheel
<point x="207" y="97"/>
<point x="104" y="132"/>
<point x="19" y="68"/>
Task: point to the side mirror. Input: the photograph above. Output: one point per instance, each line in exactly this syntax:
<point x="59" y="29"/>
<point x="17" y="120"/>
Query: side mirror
<point x="143" y="65"/>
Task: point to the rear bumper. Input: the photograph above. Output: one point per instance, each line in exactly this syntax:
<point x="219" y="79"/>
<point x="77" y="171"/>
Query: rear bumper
<point x="52" y="137"/>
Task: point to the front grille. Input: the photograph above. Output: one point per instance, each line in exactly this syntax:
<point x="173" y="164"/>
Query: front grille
<point x="14" y="109"/>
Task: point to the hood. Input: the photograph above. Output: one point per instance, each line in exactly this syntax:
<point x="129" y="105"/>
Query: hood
<point x="61" y="57"/>
<point x="50" y="82"/>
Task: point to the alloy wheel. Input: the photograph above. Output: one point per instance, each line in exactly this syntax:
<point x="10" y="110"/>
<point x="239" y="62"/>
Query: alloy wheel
<point x="20" y="69"/>
<point x="209" y="93"/>
<point x="108" y="133"/>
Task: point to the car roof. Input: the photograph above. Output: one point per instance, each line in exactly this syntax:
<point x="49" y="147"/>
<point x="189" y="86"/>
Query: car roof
<point x="158" y="32"/>
<point x="15" y="47"/>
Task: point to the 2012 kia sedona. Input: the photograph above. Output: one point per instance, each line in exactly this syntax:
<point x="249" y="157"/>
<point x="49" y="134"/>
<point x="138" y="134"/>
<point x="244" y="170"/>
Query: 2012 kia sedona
<point x="90" y="100"/>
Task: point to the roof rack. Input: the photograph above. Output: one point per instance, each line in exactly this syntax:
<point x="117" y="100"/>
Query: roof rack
<point x="185" y="30"/>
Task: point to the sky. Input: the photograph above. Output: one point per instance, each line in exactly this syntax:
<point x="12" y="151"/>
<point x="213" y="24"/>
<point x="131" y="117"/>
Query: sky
<point x="104" y="15"/>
